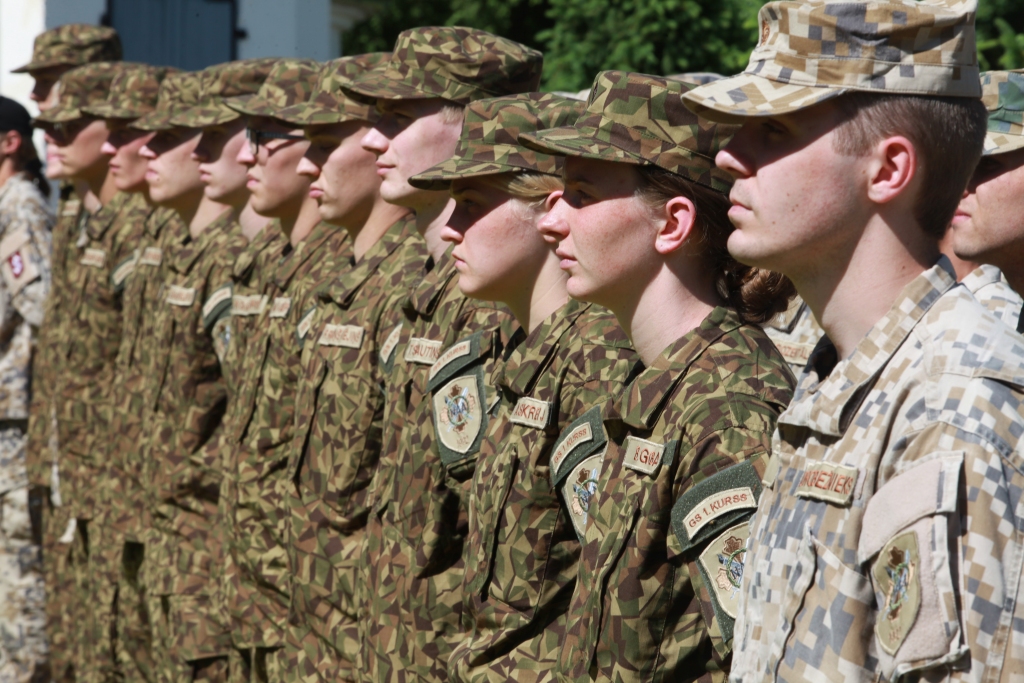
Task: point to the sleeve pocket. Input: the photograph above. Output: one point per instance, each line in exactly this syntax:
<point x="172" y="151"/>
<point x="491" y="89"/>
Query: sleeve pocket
<point x="909" y="540"/>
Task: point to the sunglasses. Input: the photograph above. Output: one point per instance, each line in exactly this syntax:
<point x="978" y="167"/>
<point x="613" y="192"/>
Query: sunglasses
<point x="257" y="137"/>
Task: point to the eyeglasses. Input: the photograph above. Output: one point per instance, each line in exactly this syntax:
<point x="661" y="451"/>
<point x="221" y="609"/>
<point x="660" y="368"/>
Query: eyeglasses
<point x="257" y="137"/>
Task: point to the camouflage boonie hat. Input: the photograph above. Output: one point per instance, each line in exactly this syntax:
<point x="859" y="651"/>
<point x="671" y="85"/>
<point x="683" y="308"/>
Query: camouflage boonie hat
<point x="1003" y="95"/>
<point x="80" y="88"/>
<point x="289" y="83"/>
<point x="814" y="50"/>
<point x="132" y="93"/>
<point x="178" y="92"/>
<point x="490" y="139"/>
<point x="73" y="45"/>
<point x="638" y="119"/>
<point x="329" y="103"/>
<point x="218" y="83"/>
<point x="454" y="63"/>
<point x="696" y="77"/>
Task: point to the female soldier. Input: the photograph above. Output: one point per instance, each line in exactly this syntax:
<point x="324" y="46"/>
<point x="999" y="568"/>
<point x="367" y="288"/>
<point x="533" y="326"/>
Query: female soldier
<point x="643" y="225"/>
<point x="521" y="552"/>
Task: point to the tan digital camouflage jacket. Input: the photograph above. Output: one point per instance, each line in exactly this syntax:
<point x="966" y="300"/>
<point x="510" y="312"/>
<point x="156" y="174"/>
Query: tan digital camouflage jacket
<point x="522" y="550"/>
<point x="257" y="581"/>
<point x="663" y="492"/>
<point x="142" y="299"/>
<point x="890" y="534"/>
<point x="337" y="442"/>
<point x="102" y="255"/>
<point x="795" y="333"/>
<point x="418" y="516"/>
<point x="992" y="291"/>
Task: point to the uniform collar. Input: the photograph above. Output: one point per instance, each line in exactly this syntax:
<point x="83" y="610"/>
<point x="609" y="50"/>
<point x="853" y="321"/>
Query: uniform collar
<point x="646" y="396"/>
<point x="786" y="321"/>
<point x="982" y="276"/>
<point x="267" y="238"/>
<point x="159" y="219"/>
<point x="101" y="221"/>
<point x="532" y="355"/>
<point x="831" y="390"/>
<point x="303" y="251"/>
<point x="19" y="178"/>
<point x="343" y="289"/>
<point x="191" y="250"/>
<point x="431" y="289"/>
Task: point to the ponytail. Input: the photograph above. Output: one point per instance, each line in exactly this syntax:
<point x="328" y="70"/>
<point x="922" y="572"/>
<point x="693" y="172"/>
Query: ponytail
<point x="756" y="295"/>
<point x="33" y="168"/>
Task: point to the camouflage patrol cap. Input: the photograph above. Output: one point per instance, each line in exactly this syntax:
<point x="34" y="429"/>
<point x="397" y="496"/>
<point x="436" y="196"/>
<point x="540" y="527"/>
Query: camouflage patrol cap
<point x="638" y="119"/>
<point x="813" y="50"/>
<point x="696" y="77"/>
<point x="132" y="92"/>
<point x="80" y="88"/>
<point x="218" y="83"/>
<point x="178" y="92"/>
<point x="1003" y="95"/>
<point x="329" y="103"/>
<point x="454" y="63"/>
<point x="73" y="45"/>
<point x="490" y="138"/>
<point x="290" y="82"/>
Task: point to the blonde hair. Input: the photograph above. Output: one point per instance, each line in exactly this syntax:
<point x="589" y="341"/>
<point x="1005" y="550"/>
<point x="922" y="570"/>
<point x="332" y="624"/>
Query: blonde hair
<point x="531" y="188"/>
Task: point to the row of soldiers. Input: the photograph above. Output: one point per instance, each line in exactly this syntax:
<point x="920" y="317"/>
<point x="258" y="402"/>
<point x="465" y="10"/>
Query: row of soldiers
<point x="394" y="368"/>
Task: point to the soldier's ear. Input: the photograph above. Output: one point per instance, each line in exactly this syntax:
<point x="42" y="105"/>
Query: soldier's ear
<point x="675" y="225"/>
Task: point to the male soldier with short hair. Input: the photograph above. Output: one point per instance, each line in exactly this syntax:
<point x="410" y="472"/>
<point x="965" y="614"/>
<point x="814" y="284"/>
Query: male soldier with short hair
<point x="186" y="399"/>
<point x="409" y="585"/>
<point x="118" y="608"/>
<point x="888" y="538"/>
<point x="109" y="226"/>
<point x="989" y="223"/>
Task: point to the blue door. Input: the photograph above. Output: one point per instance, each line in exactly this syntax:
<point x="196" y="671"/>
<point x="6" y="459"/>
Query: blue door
<point x="188" y="34"/>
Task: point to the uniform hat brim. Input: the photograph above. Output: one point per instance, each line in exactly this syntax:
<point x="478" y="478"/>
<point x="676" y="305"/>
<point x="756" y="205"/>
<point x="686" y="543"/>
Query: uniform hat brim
<point x="312" y="114"/>
<point x="253" y="105"/>
<point x="105" y="110"/>
<point x="439" y="177"/>
<point x="39" y="66"/>
<point x="569" y="141"/>
<point x="204" y="116"/>
<point x="60" y="114"/>
<point x="378" y="84"/>
<point x="1002" y="143"/>
<point x="733" y="99"/>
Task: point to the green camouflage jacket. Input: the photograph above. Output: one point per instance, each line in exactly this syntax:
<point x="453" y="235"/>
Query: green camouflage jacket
<point x="337" y="441"/>
<point x="889" y="539"/>
<point x="89" y="344"/>
<point x="661" y="493"/>
<point x="142" y="298"/>
<point x="522" y="551"/>
<point x="418" y="517"/>
<point x="257" y="583"/>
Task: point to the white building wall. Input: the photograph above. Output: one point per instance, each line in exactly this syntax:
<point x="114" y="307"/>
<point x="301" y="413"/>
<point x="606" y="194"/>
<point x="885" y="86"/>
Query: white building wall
<point x="20" y="22"/>
<point x="285" y="28"/>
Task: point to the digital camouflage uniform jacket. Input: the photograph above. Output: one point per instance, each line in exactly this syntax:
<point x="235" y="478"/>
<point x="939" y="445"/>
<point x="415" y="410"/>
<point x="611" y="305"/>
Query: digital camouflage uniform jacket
<point x="890" y="533"/>
<point x="412" y="561"/>
<point x="102" y="256"/>
<point x="795" y="333"/>
<point x="522" y="550"/>
<point x="186" y="401"/>
<point x="992" y="291"/>
<point x="257" y="582"/>
<point x="337" y="443"/>
<point x="666" y="502"/>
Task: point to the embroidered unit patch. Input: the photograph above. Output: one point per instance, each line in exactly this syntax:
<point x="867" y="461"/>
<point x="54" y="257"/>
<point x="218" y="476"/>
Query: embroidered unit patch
<point x="390" y="343"/>
<point x="456" y="351"/>
<point x="151" y="256"/>
<point x="420" y="350"/>
<point x="181" y="296"/>
<point x="305" y="323"/>
<point x="281" y="306"/>
<point x="122" y="272"/>
<point x="16" y="263"/>
<point x="722" y="562"/>
<point x="897" y="575"/>
<point x="579" y="490"/>
<point x="243" y="305"/>
<point x="531" y="412"/>
<point x="581" y="434"/>
<point x="827" y="482"/>
<point x="94" y="258"/>
<point x="458" y="412"/>
<point x="641" y="455"/>
<point x="349" y="336"/>
<point x="716" y="505"/>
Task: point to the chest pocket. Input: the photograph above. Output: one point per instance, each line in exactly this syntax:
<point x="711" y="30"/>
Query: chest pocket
<point x="459" y="399"/>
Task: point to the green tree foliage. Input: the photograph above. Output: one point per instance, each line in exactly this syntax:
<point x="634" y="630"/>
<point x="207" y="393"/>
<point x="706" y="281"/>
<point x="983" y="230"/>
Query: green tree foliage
<point x="581" y="37"/>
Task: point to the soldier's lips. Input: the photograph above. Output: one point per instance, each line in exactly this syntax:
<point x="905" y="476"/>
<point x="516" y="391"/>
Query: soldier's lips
<point x="382" y="169"/>
<point x="152" y="176"/>
<point x="567" y="261"/>
<point x="316" y="192"/>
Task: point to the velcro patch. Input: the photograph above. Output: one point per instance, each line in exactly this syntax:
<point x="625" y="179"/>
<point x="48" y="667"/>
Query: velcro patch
<point x="151" y="256"/>
<point x="531" y="412"/>
<point x="795" y="354"/>
<point x="122" y="271"/>
<point x="642" y="455"/>
<point x="716" y="505"/>
<point x="219" y="297"/>
<point x="827" y="482"/>
<point x="282" y="304"/>
<point x="424" y="351"/>
<point x="94" y="258"/>
<point x="390" y="343"/>
<point x="243" y="305"/>
<point x="349" y="336"/>
<point x="455" y="352"/>
<point x="305" y="323"/>
<point x="181" y="296"/>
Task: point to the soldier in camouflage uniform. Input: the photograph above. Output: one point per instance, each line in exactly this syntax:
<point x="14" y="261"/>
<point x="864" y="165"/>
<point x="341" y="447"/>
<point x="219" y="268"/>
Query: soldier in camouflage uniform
<point x="566" y="358"/>
<point x="643" y="227"/>
<point x="988" y="226"/>
<point x="63" y="48"/>
<point x="412" y="560"/>
<point x="889" y="538"/>
<point x="108" y="231"/>
<point x="25" y="223"/>
<point x="119" y="608"/>
<point x="185" y="400"/>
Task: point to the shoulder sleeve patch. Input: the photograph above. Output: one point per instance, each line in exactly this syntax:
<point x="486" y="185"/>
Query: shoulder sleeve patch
<point x="581" y="438"/>
<point x="531" y="412"/>
<point x="18" y="264"/>
<point x="456" y="358"/>
<point x="217" y="306"/>
<point x="580" y="489"/>
<point x="721" y="567"/>
<point x="390" y="343"/>
<point x="305" y="322"/>
<point x="716" y="503"/>
<point x="181" y="296"/>
<point x="13" y="242"/>
<point x="122" y="271"/>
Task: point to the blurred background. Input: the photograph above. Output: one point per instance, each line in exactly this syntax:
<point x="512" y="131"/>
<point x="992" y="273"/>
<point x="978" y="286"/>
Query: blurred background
<point x="579" y="37"/>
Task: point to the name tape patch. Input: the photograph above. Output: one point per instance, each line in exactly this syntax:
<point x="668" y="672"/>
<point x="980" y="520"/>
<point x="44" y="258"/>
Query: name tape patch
<point x="390" y="343"/>
<point x="581" y="434"/>
<point x="827" y="482"/>
<point x="531" y="412"/>
<point x="643" y="456"/>
<point x="349" y="336"/>
<point x="420" y="350"/>
<point x="282" y="304"/>
<point x="795" y="353"/>
<point x="457" y="351"/>
<point x="94" y="258"/>
<point x="243" y="305"/>
<point x="151" y="256"/>
<point x="716" y="505"/>
<point x="181" y="296"/>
